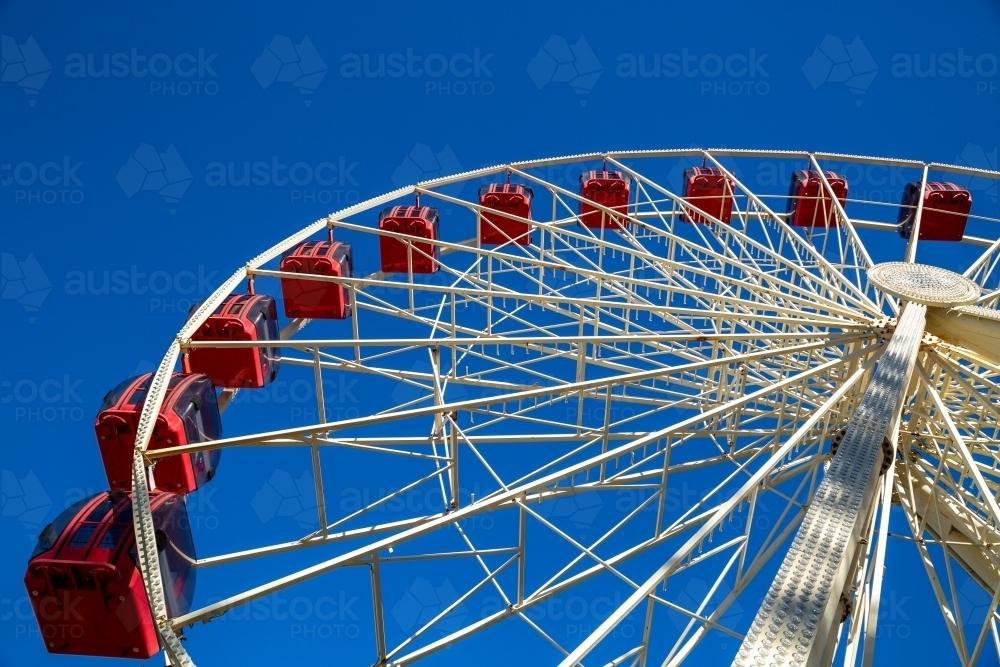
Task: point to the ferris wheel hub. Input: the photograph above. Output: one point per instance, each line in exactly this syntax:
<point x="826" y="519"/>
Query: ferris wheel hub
<point x="922" y="283"/>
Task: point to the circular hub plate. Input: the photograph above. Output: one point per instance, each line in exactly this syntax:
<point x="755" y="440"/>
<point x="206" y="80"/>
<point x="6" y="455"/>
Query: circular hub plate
<point x="920" y="283"/>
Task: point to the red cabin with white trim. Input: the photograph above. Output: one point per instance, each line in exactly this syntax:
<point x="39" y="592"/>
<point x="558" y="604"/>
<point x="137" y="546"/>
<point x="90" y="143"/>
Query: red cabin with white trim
<point x="809" y="202"/>
<point x="945" y="213"/>
<point x="511" y="198"/>
<point x="86" y="588"/>
<point x="420" y="222"/>
<point x="240" y="317"/>
<point x="316" y="299"/>
<point x="607" y="188"/>
<point x="708" y="190"/>
<point x="189" y="414"/>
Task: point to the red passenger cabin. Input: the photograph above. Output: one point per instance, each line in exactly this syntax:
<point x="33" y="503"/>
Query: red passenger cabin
<point x="511" y="198"/>
<point x="189" y="414"/>
<point x="946" y="210"/>
<point x="607" y="188"/>
<point x="240" y="317"/>
<point x="708" y="190"/>
<point x="809" y="202"/>
<point x="316" y="299"/>
<point x="420" y="222"/>
<point x="85" y="587"/>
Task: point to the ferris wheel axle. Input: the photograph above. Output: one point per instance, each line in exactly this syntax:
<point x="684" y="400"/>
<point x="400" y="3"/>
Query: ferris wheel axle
<point x="808" y="600"/>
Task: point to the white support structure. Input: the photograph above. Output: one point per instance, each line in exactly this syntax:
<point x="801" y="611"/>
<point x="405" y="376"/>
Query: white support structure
<point x="768" y="364"/>
<point x="807" y="600"/>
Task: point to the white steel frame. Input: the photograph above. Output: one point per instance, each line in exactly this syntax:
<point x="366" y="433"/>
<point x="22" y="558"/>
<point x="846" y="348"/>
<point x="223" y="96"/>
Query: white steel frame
<point x="770" y="335"/>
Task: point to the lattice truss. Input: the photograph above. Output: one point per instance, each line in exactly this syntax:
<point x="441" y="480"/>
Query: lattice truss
<point x="641" y="359"/>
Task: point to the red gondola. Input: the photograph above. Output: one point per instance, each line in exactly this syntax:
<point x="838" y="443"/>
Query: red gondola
<point x="512" y="198"/>
<point x="607" y="188"/>
<point x="417" y="221"/>
<point x="189" y="414"/>
<point x="311" y="298"/>
<point x="946" y="210"/>
<point x="240" y="317"/>
<point x="809" y="203"/>
<point x="84" y="584"/>
<point x="708" y="190"/>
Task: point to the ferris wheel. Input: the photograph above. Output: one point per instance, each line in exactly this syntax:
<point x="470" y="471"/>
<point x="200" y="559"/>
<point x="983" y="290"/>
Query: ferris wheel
<point x="791" y="386"/>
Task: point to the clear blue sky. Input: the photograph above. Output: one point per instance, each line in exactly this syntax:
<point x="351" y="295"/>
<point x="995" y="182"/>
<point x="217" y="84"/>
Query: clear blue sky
<point x="193" y="91"/>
